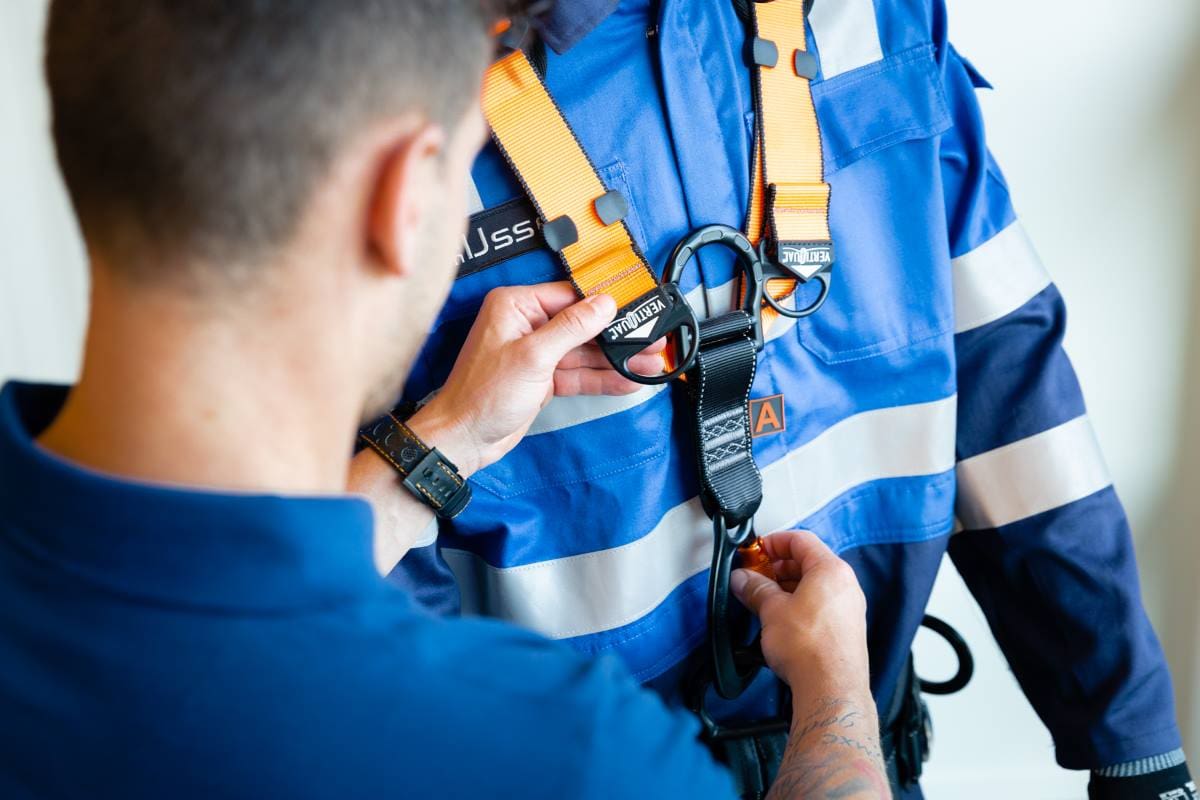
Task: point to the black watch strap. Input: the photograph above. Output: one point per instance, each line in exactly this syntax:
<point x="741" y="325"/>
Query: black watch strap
<point x="427" y="474"/>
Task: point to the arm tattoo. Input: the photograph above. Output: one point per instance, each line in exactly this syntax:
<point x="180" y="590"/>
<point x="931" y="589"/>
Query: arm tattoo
<point x="833" y="754"/>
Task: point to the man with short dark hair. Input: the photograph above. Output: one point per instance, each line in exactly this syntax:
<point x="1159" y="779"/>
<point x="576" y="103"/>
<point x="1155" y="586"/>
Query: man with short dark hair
<point x="189" y="604"/>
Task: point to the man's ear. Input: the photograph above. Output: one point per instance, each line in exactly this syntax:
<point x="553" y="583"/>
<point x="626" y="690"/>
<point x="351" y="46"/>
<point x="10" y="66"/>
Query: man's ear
<point x="407" y="174"/>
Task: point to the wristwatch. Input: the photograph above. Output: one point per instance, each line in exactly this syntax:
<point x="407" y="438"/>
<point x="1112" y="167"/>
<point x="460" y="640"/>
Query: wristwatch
<point x="426" y="473"/>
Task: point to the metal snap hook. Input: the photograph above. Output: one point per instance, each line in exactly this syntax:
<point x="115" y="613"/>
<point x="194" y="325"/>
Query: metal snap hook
<point x="733" y="667"/>
<point x="752" y="290"/>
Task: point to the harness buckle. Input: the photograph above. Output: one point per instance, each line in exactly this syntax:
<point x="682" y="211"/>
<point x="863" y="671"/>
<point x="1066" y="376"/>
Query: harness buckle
<point x="641" y="323"/>
<point x="798" y="261"/>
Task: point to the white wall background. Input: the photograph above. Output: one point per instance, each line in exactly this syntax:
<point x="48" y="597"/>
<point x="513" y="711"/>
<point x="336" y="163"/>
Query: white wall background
<point x="42" y="280"/>
<point x="1096" y="121"/>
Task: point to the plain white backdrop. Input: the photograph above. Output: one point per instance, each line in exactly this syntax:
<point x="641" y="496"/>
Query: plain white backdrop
<point x="1096" y="122"/>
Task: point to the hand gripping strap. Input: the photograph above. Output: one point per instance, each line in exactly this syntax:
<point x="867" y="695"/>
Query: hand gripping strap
<point x="789" y="198"/>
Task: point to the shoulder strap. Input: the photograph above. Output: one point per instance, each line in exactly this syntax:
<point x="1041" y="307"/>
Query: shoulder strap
<point x="533" y="135"/>
<point x="789" y="202"/>
<point x="582" y="220"/>
<point x="585" y="222"/>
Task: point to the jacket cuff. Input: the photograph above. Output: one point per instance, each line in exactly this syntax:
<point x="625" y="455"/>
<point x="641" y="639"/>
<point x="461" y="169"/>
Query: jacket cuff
<point x="1170" y="783"/>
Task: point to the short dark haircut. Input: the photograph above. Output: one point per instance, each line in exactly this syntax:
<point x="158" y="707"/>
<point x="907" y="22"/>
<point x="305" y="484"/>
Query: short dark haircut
<point x="198" y="129"/>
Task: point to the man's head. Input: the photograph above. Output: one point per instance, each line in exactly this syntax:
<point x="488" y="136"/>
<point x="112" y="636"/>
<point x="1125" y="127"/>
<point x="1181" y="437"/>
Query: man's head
<point x="308" y="153"/>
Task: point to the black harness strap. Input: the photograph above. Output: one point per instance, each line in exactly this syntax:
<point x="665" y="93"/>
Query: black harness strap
<point x="731" y="488"/>
<point x="731" y="485"/>
<point x="719" y="384"/>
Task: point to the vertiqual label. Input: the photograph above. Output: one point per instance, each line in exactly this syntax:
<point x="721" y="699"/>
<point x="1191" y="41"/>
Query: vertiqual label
<point x="637" y="323"/>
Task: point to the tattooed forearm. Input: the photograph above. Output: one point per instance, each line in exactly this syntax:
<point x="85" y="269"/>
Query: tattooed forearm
<point x="833" y="754"/>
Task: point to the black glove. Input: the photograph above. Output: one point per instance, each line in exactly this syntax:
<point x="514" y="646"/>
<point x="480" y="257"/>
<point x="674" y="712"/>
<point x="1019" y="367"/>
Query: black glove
<point x="1174" y="783"/>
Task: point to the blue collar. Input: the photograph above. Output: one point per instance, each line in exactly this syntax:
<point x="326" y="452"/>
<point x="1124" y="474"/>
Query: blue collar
<point x="568" y="21"/>
<point x="173" y="545"/>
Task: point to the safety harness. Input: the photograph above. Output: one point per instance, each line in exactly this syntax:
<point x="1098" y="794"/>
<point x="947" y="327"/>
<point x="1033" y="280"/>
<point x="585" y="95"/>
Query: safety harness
<point x="581" y="220"/>
<point x="785" y="244"/>
<point x="788" y="217"/>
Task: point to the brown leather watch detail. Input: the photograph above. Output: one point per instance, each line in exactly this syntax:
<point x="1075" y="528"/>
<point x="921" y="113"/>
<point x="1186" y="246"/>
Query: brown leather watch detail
<point x="426" y="473"/>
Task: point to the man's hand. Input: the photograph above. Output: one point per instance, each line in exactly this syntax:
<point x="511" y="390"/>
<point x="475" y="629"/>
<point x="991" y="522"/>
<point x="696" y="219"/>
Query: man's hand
<point x="528" y="344"/>
<point x="814" y="636"/>
<point x="815" y="617"/>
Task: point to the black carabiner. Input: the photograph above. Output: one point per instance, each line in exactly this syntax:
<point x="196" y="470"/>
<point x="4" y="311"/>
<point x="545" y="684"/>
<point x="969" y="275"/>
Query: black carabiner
<point x="714" y="731"/>
<point x="772" y="271"/>
<point x="752" y="292"/>
<point x="734" y="666"/>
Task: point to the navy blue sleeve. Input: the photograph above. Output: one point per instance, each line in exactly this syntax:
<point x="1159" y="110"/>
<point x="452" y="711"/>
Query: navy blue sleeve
<point x="428" y="580"/>
<point x="1045" y="546"/>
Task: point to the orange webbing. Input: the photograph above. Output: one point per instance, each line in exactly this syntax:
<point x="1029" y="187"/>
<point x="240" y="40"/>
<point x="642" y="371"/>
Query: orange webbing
<point x="778" y="287"/>
<point x="560" y="180"/>
<point x="789" y="195"/>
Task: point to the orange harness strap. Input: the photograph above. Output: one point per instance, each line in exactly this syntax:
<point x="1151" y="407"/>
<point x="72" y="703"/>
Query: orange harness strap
<point x="562" y="183"/>
<point x="582" y="220"/>
<point x="585" y="222"/>
<point x="789" y="198"/>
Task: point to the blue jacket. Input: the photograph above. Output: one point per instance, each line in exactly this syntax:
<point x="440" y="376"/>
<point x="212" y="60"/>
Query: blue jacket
<point x="929" y="405"/>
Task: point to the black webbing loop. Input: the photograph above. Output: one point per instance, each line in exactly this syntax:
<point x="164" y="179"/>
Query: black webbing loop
<point x="719" y="384"/>
<point x="966" y="663"/>
<point x="719" y="381"/>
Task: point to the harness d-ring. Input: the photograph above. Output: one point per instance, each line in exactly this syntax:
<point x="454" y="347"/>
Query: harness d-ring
<point x="775" y="303"/>
<point x="752" y="293"/>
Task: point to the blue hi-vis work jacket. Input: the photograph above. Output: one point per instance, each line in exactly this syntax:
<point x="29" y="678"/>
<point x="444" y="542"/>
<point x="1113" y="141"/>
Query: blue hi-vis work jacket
<point x="928" y="406"/>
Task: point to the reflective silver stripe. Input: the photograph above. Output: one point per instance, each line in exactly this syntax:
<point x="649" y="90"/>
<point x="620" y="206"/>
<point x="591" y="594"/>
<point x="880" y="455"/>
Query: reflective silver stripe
<point x="606" y="589"/>
<point x="1144" y="766"/>
<point x="565" y="412"/>
<point x="428" y="534"/>
<point x="846" y="33"/>
<point x="996" y="278"/>
<point x="1033" y="475"/>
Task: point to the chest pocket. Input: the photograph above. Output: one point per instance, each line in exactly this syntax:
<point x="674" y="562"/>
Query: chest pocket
<point x="890" y="287"/>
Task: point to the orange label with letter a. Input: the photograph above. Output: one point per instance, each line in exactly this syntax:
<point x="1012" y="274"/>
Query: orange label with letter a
<point x="767" y="415"/>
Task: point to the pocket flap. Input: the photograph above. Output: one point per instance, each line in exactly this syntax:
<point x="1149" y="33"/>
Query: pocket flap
<point x="891" y="101"/>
